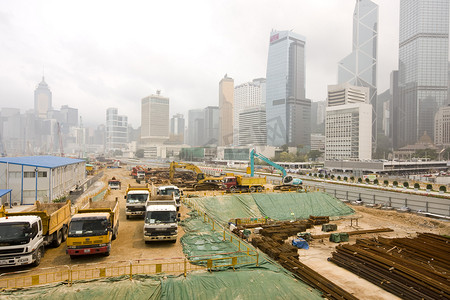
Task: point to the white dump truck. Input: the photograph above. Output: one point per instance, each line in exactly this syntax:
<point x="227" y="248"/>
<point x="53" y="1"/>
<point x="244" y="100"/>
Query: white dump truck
<point x="169" y="190"/>
<point x="23" y="235"/>
<point x="137" y="197"/>
<point x="161" y="219"/>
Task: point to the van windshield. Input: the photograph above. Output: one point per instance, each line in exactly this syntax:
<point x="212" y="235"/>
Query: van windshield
<point x="169" y="192"/>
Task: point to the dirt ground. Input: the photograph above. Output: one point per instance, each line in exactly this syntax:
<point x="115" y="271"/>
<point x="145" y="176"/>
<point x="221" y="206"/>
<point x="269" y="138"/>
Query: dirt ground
<point x="130" y="245"/>
<point x="403" y="224"/>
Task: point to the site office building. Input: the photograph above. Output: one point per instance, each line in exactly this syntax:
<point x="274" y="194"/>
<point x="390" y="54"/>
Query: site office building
<point x="43" y="178"/>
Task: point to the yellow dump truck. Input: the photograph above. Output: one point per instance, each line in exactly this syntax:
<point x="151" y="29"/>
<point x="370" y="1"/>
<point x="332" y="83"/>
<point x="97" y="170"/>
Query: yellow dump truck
<point x="243" y="183"/>
<point x="91" y="230"/>
<point x="23" y="235"/>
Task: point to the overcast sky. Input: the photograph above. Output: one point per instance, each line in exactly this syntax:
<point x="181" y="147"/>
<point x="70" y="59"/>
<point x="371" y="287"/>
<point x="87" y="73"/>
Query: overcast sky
<point x="100" y="54"/>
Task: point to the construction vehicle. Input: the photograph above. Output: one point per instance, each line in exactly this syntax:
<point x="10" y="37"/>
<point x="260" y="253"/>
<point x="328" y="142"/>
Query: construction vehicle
<point x="23" y="235"/>
<point x="136" y="197"/>
<point x="170" y="190"/>
<point x="91" y="230"/>
<point x="288" y="182"/>
<point x="114" y="184"/>
<point x="245" y="184"/>
<point x="161" y="219"/>
<point x="203" y="182"/>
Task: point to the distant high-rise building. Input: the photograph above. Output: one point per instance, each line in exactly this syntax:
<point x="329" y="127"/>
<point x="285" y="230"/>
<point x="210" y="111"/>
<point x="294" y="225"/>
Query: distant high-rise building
<point x="348" y="124"/>
<point x="177" y="129"/>
<point x="252" y="126"/>
<point x="42" y="99"/>
<point x="196" y="127"/>
<point x="116" y="130"/>
<point x="359" y="68"/>
<point x="249" y="94"/>
<point x="70" y="115"/>
<point x="226" y="103"/>
<point x="211" y="118"/>
<point x="154" y="119"/>
<point x="423" y="68"/>
<point x="288" y="111"/>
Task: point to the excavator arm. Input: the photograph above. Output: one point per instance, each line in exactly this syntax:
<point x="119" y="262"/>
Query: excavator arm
<point x="253" y="154"/>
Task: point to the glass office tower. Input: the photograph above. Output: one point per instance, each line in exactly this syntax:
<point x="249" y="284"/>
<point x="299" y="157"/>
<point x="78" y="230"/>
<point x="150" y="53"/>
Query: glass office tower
<point x="288" y="112"/>
<point x="359" y="68"/>
<point x="423" y="67"/>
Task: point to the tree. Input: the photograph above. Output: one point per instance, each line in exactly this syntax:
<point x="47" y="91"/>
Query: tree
<point x="426" y="153"/>
<point x="314" y="154"/>
<point x="139" y="153"/>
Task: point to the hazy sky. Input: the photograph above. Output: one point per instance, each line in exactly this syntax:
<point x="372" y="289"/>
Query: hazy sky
<point x="100" y="54"/>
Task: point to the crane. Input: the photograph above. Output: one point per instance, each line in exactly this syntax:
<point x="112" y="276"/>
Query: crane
<point x="287" y="180"/>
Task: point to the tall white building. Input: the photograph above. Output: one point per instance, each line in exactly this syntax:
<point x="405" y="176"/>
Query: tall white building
<point x="348" y="123"/>
<point x="154" y="119"/>
<point x="42" y="99"/>
<point x="116" y="130"/>
<point x="252" y="126"/>
<point x="246" y="95"/>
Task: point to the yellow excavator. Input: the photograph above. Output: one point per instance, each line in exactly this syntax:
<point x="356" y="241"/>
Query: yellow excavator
<point x="203" y="182"/>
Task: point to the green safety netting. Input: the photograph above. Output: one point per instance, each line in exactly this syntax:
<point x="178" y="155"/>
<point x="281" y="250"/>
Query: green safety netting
<point x="286" y="206"/>
<point x="240" y="284"/>
<point x="277" y="206"/>
<point x="222" y="208"/>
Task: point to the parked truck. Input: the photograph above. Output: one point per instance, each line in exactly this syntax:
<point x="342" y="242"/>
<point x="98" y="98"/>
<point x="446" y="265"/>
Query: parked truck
<point x="161" y="219"/>
<point x="23" y="235"/>
<point x="92" y="229"/>
<point x="137" y="197"/>
<point x="114" y="184"/>
<point x="170" y="190"/>
<point x="244" y="184"/>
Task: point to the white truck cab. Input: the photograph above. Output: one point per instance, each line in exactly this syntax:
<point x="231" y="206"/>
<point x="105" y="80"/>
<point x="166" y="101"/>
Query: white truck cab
<point x="169" y="190"/>
<point x="21" y="241"/>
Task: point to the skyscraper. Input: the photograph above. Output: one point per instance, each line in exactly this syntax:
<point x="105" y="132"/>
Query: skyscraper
<point x="42" y="99"/>
<point x="423" y="67"/>
<point x="359" y="68"/>
<point x="177" y="129"/>
<point x="196" y="126"/>
<point x="154" y="119"/>
<point x="226" y="103"/>
<point x="288" y="111"/>
<point x="211" y="125"/>
<point x="116" y="130"/>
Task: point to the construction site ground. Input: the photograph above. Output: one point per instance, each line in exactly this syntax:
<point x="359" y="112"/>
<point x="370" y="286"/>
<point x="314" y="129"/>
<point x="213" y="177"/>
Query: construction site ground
<point x="130" y="245"/>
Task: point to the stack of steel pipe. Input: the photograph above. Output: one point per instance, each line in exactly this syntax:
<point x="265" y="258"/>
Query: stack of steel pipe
<point x="411" y="268"/>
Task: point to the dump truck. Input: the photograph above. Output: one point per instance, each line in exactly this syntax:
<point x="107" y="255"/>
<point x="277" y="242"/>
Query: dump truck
<point x="23" y="235"/>
<point x="245" y="184"/>
<point x="170" y="190"/>
<point x="114" y="184"/>
<point x="161" y="219"/>
<point x="92" y="229"/>
<point x="137" y="197"/>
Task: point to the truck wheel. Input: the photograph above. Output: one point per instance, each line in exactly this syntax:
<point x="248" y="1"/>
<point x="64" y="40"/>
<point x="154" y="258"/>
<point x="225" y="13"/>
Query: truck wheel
<point x="252" y="189"/>
<point x="107" y="253"/>
<point x="233" y="189"/>
<point x="39" y="255"/>
<point x="57" y="238"/>
<point x="173" y="241"/>
<point x="65" y="233"/>
<point x="73" y="256"/>
<point x="259" y="189"/>
<point x="128" y="217"/>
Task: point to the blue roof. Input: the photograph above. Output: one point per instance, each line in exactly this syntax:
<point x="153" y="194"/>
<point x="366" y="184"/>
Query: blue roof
<point x="4" y="192"/>
<point x="41" y="161"/>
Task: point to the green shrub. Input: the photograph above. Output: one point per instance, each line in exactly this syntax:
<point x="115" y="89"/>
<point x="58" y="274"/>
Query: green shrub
<point x="429" y="187"/>
<point x="416" y="185"/>
<point x="321" y="175"/>
<point x="376" y="181"/>
<point x="339" y="178"/>
<point x="352" y="178"/>
<point x="395" y="183"/>
<point x="386" y="182"/>
<point x="332" y="176"/>
<point x="359" y="179"/>
<point x="406" y="184"/>
<point x="442" y="188"/>
<point x="345" y="178"/>
<point x="367" y="180"/>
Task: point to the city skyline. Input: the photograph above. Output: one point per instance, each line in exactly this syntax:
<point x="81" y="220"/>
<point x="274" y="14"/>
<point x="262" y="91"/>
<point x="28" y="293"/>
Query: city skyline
<point x="89" y="67"/>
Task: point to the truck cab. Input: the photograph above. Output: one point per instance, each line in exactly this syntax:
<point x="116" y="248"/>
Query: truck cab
<point x="114" y="184"/>
<point x="21" y="241"/>
<point x="136" y="198"/>
<point x="161" y="222"/>
<point x="85" y="229"/>
<point x="169" y="190"/>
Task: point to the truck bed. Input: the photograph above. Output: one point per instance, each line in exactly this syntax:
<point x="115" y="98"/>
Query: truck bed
<point x="251" y="181"/>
